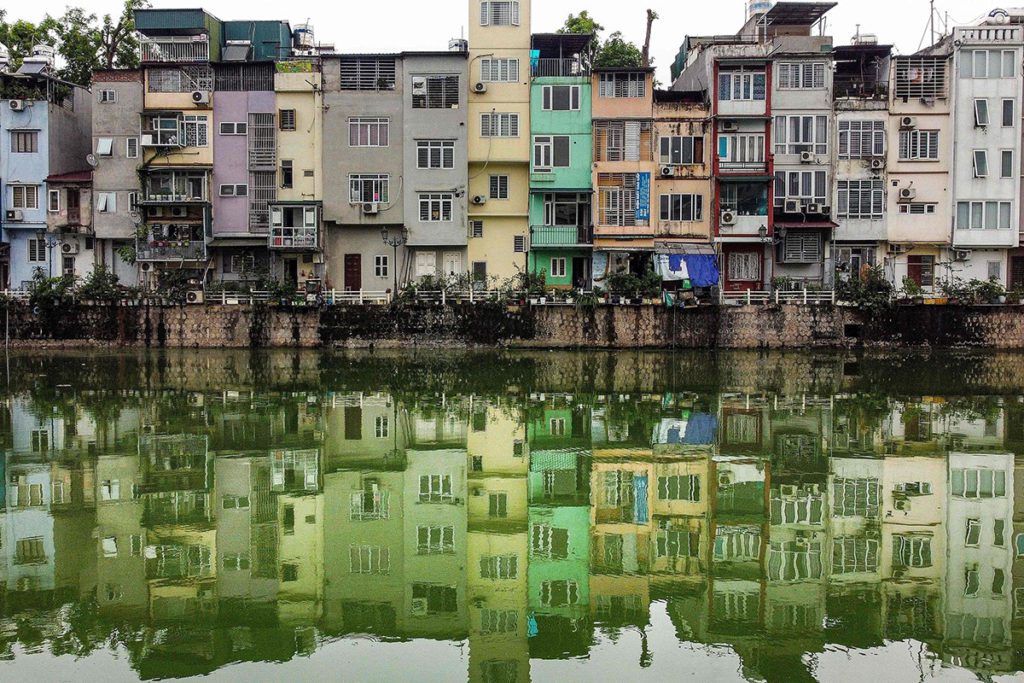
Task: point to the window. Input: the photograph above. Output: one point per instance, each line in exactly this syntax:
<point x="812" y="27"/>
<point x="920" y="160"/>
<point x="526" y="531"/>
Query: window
<point x="679" y="487"/>
<point x="110" y="489"/>
<point x="435" y="154"/>
<point x="567" y="208"/>
<point x="106" y="202"/>
<point x="796" y="134"/>
<point x="368" y="132"/>
<point x="856" y="497"/>
<point x="25" y="196"/>
<point x="972" y="536"/>
<point x="745" y="199"/>
<point x="110" y="546"/>
<point x="29" y="551"/>
<point x="980" y="163"/>
<point x="1006" y="163"/>
<point x="24" y="141"/>
<point x="499" y="13"/>
<point x="623" y="141"/>
<point x="981" y="119"/>
<point x="476" y="229"/>
<point x="499" y="567"/>
<point x="368" y="188"/>
<point x="498" y="621"/>
<point x="367" y="73"/>
<point x="560" y="593"/>
<point x="619" y="199"/>
<point x="979" y="215"/>
<point x="232" y="128"/>
<point x="988" y="64"/>
<point x="917" y="209"/>
<point x="560" y="97"/>
<point x="999" y="533"/>
<point x="558" y="266"/>
<point x="287" y="173"/>
<point x="801" y="75"/>
<point x="550" y="542"/>
<point x="499" y="70"/>
<point x="430" y="598"/>
<point x="519" y="244"/>
<point x="235" y="502"/>
<point x="435" y="92"/>
<point x="53" y="201"/>
<point x="107" y="96"/>
<point x="912" y="550"/>
<point x="105" y="147"/>
<point x="741" y="149"/>
<point x="551" y="151"/>
<point x="629" y="84"/>
<point x="436" y="207"/>
<point x="435" y="540"/>
<point x="972" y="581"/>
<point x="678" y="150"/>
<point x="436" y="488"/>
<point x="195" y="129"/>
<point x="369" y="559"/>
<point x="131" y="148"/>
<point x="499" y="187"/>
<point x="978" y="483"/>
<point x="380" y="265"/>
<point x="854" y="555"/>
<point x="801" y="246"/>
<point x="806" y="186"/>
<point x="289" y="573"/>
<point x="861" y="139"/>
<point x="237" y="562"/>
<point x="864" y="199"/>
<point x="682" y="207"/>
<point x="230" y="190"/>
<point x="1009" y="119"/>
<point x="920" y="77"/>
<point x="36" y="251"/>
<point x="744" y="266"/>
<point x="741" y="85"/>
<point x="497" y="505"/>
<point x="496" y="125"/>
<point x="919" y="145"/>
<point x="286" y="119"/>
<point x="381" y="423"/>
<point x="133" y="201"/>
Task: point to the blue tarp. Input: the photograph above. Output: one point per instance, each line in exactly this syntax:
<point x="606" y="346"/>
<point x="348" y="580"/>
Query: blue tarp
<point x="640" y="497"/>
<point x="702" y="269"/>
<point x="701" y="429"/>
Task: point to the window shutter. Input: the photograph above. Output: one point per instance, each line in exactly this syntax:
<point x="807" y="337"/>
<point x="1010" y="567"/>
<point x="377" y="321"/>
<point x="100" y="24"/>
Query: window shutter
<point x="309" y="216"/>
<point x="547" y="98"/>
<point x="484" y="7"/>
<point x="515" y="12"/>
<point x="561" y="151"/>
<point x="275" y="216"/>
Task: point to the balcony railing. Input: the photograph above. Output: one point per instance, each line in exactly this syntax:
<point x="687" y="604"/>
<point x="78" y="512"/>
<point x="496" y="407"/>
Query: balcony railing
<point x="861" y="88"/>
<point x="176" y="187"/>
<point x="176" y="49"/>
<point x="171" y="250"/>
<point x="743" y="166"/>
<point x="561" y="236"/>
<point x="293" y="238"/>
<point x="559" y="67"/>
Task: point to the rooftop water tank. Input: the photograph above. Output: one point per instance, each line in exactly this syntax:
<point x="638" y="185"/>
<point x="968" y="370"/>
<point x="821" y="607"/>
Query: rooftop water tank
<point x="302" y="37"/>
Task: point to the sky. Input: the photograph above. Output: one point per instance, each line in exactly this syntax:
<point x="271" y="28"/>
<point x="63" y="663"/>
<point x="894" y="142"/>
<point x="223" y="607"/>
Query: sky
<point x="414" y="25"/>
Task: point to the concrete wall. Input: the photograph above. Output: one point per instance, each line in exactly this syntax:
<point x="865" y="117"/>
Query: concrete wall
<point x="231" y="157"/>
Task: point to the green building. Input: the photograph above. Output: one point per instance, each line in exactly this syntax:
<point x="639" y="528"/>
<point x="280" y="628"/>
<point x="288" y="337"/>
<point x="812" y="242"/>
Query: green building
<point x="561" y="228"/>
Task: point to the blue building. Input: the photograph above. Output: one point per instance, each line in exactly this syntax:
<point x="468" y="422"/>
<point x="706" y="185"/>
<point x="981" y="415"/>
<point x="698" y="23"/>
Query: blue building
<point x="45" y="130"/>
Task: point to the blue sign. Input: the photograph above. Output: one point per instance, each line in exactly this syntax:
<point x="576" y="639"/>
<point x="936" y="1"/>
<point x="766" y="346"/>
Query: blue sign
<point x="643" y="197"/>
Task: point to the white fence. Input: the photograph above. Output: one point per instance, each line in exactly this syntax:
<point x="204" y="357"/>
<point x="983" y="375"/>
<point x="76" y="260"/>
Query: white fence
<point x="804" y="297"/>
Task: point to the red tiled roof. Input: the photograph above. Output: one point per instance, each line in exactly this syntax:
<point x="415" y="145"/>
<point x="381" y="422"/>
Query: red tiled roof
<point x="73" y="177"/>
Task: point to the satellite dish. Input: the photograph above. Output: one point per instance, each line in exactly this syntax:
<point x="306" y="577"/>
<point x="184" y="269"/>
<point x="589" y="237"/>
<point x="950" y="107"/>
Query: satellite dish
<point x="91" y="160"/>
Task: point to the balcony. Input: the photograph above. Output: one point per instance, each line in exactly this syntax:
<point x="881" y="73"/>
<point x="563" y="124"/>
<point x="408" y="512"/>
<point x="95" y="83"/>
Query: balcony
<point x="162" y="131"/>
<point x="559" y="67"/>
<point x="175" y="49"/>
<point x="302" y="238"/>
<point x="742" y="167"/>
<point x="176" y="187"/>
<point x="561" y="236"/>
<point x="172" y="242"/>
<point x="859" y="87"/>
<point x="294" y="228"/>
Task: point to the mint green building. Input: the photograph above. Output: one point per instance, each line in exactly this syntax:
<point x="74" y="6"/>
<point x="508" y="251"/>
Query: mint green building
<point x="561" y="225"/>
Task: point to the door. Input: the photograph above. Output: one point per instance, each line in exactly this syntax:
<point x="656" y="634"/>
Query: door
<point x="452" y="263"/>
<point x="479" y="274"/>
<point x="353" y="272"/>
<point x="74" y="206"/>
<point x="426" y="264"/>
<point x="743" y="270"/>
<point x="580" y="272"/>
<point x="291" y="272"/>
<point x="1017" y="272"/>
<point x="921" y="270"/>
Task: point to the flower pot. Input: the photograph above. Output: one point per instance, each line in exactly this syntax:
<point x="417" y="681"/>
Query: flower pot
<point x="1001" y="299"/>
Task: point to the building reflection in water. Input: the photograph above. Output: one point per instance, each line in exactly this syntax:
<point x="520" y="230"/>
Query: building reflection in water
<point x="196" y="529"/>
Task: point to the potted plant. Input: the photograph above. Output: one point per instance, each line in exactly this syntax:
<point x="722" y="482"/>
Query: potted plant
<point x="913" y="291"/>
<point x="992" y="291"/>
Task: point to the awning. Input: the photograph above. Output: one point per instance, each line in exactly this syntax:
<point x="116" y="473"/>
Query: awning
<point x="684" y="248"/>
<point x="606" y="244"/>
<point x="239" y="242"/>
<point x="806" y="225"/>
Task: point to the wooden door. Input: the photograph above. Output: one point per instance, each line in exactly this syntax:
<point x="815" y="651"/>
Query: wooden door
<point x="353" y="272"/>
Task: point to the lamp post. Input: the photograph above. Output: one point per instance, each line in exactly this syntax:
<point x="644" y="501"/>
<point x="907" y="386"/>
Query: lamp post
<point x="51" y="242"/>
<point x="395" y="242"/>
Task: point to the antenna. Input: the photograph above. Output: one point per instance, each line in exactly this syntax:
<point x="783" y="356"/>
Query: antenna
<point x="931" y="19"/>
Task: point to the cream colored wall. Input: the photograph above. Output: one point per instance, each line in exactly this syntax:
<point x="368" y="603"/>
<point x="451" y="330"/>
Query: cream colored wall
<point x="300" y="599"/>
<point x="496" y="247"/>
<point x="300" y="91"/>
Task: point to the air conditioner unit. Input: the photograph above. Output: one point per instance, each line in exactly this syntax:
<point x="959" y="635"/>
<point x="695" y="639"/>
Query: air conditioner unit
<point x="877" y="164"/>
<point x="897" y="249"/>
<point x="728" y="217"/>
<point x="17" y="105"/>
<point x="791" y="206"/>
<point x="479" y="87"/>
<point x="908" y="122"/>
<point x="156" y="212"/>
<point x="146" y="267"/>
<point x="200" y="97"/>
<point x="816" y="209"/>
<point x="194" y="296"/>
<point x="419" y="606"/>
<point x="69" y="248"/>
<point x="371" y="209"/>
<point x="668" y="171"/>
<point x="725" y="479"/>
<point x="962" y="254"/>
<point x="479" y="199"/>
<point x="148" y="140"/>
<point x="907" y="194"/>
<point x="826" y="210"/>
<point x="730" y="126"/>
<point x="14" y="215"/>
<point x="179" y="211"/>
<point x="807" y="158"/>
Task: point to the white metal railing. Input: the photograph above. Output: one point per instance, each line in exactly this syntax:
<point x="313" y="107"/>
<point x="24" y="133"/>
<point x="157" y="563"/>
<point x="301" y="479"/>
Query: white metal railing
<point x="803" y="297"/>
<point x="175" y="49"/>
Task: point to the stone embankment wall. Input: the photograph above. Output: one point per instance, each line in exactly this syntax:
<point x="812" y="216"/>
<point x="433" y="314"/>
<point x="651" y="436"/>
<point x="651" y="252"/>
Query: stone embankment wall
<point x="603" y="327"/>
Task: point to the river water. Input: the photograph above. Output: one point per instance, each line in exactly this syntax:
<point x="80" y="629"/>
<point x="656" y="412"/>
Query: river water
<point x="509" y="517"/>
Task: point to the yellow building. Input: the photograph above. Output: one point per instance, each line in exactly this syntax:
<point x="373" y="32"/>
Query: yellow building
<point x="499" y="136"/>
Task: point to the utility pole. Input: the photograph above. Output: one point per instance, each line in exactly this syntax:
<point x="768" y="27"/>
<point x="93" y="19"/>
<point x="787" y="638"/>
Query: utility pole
<point x="931" y="19"/>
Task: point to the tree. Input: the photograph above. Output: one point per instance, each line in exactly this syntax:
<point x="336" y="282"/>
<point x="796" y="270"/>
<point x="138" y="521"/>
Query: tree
<point x="78" y="44"/>
<point x="646" y="53"/>
<point x="20" y="36"/>
<point x="119" y="46"/>
<point x="619" y="52"/>
<point x="581" y="23"/>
